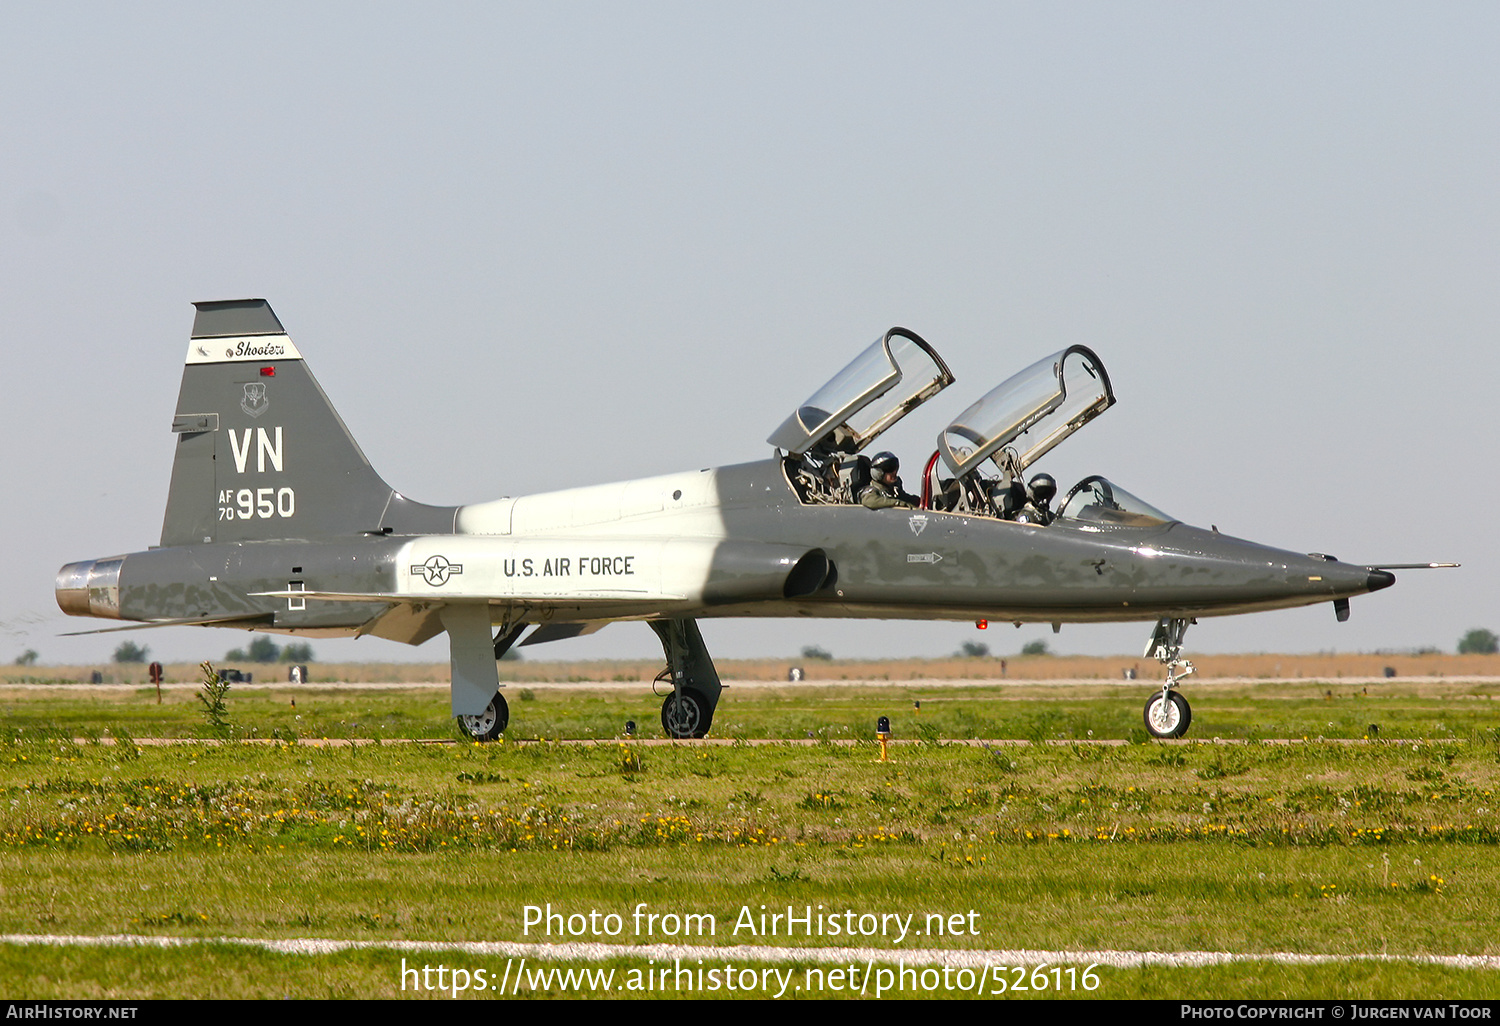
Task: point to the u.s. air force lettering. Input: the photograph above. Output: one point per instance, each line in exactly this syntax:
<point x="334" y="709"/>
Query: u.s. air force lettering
<point x="567" y="566"/>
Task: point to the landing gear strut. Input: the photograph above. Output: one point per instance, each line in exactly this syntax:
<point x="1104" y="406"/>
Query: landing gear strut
<point x="1167" y="712"/>
<point x="689" y="710"/>
<point x="472" y="653"/>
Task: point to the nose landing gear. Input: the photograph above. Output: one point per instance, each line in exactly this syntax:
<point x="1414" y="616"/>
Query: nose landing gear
<point x="1167" y="712"/>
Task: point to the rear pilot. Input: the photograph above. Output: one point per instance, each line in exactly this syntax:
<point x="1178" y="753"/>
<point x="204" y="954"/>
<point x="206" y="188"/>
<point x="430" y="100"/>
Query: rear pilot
<point x="884" y="490"/>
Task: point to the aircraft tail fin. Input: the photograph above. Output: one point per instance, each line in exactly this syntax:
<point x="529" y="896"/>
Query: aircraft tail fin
<point x="261" y="453"/>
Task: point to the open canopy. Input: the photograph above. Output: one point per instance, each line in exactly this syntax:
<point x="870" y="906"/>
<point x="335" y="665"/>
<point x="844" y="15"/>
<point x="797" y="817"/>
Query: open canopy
<point x="884" y="383"/>
<point x="1022" y="418"/>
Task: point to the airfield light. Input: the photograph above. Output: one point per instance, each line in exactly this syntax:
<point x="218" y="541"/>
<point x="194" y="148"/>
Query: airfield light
<point x="917" y="706"/>
<point x="630" y="728"/>
<point x="883" y="731"/>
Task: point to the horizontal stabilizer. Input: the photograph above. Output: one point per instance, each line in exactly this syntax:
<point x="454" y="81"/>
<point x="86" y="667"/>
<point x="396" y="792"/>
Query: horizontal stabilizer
<point x="248" y="622"/>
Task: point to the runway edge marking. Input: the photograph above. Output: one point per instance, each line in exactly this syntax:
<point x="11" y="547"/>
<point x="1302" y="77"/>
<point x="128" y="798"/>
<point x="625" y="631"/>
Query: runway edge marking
<point x="956" y="958"/>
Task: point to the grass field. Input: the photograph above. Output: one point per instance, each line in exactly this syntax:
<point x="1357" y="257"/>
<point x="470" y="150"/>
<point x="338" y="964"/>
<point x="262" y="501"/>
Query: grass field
<point x="1331" y="845"/>
<point x="1256" y="666"/>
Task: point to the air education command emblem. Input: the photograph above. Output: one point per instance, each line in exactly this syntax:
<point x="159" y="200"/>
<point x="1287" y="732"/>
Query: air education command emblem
<point x="255" y="402"/>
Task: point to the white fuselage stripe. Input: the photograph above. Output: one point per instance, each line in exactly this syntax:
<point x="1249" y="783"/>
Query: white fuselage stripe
<point x="649" y="540"/>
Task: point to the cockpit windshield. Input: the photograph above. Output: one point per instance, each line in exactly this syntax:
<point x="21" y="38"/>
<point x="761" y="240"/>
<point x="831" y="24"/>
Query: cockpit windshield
<point x="1021" y="419"/>
<point x="1095" y="500"/>
<point x="884" y="383"/>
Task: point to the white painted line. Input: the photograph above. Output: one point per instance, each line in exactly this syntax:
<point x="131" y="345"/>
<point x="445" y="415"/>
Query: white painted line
<point x="574" y="952"/>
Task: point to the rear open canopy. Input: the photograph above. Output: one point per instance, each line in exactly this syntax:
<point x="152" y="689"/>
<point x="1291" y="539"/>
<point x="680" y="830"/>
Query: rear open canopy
<point x="894" y="376"/>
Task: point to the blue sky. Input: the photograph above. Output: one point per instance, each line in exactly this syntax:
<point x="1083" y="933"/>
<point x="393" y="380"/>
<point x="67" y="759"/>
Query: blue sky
<point x="526" y="247"/>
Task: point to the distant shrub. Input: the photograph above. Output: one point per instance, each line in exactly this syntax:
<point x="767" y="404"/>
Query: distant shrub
<point x="297" y="652"/>
<point x="263" y="650"/>
<point x="1479" y="642"/>
<point x="130" y="652"/>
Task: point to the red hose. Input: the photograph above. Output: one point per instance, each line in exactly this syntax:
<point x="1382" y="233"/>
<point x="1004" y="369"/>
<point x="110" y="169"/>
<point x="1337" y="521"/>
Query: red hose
<point x="927" y="480"/>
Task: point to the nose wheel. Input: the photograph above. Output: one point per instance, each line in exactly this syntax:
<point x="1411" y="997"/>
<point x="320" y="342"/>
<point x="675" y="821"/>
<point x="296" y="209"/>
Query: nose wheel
<point x="1167" y="714"/>
<point x="488" y="725"/>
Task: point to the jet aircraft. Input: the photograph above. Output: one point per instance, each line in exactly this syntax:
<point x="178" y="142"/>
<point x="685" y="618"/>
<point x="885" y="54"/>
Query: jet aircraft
<point x="276" y="521"/>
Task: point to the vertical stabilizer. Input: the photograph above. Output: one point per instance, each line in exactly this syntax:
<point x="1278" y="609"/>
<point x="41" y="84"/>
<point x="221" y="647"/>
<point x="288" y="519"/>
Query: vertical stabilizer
<point x="261" y="452"/>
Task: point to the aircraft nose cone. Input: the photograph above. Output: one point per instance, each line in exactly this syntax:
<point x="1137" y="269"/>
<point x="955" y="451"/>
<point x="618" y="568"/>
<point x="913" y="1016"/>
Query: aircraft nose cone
<point x="1381" y="579"/>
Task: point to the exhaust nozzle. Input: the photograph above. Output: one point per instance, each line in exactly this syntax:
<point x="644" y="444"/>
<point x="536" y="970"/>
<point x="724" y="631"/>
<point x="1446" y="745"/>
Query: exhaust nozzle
<point x="91" y="588"/>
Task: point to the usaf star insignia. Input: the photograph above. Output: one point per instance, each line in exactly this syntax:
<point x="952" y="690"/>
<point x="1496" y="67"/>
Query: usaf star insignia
<point x="437" y="570"/>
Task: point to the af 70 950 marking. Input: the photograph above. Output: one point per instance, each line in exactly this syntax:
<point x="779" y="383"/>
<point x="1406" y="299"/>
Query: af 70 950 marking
<point x="264" y="503"/>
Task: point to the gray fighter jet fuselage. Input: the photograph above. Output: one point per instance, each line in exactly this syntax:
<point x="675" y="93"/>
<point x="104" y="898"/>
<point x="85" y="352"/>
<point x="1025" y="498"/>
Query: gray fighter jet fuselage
<point x="277" y="522"/>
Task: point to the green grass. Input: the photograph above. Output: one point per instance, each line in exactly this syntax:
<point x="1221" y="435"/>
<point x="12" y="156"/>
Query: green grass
<point x="1311" y="709"/>
<point x="223" y="971"/>
<point x="1321" y="847"/>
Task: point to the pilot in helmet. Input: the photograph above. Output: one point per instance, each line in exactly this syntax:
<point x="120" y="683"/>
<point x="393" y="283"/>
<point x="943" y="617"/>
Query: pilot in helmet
<point x="1041" y="490"/>
<point x="884" y="490"/>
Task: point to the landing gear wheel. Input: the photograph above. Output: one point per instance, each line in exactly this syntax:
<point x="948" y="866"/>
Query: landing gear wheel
<point x="488" y="725"/>
<point x="688" y="717"/>
<point x="1168" y="718"/>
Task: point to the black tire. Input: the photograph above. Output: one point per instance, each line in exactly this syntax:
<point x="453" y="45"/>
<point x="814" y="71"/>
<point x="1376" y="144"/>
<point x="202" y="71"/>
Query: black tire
<point x="488" y="725"/>
<point x="692" y="719"/>
<point x="1172" y="717"/>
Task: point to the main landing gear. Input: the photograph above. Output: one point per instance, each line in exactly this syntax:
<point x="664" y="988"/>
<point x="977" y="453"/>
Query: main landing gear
<point x="1167" y="712"/>
<point x="686" y="714"/>
<point x="474" y="656"/>
<point x="688" y="711"/>
<point x="488" y="725"/>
